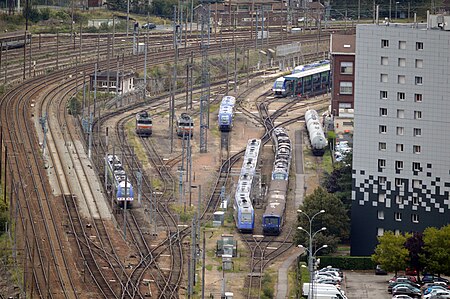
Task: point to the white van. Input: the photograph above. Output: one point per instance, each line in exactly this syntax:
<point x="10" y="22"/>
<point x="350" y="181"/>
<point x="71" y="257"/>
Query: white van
<point x="324" y="291"/>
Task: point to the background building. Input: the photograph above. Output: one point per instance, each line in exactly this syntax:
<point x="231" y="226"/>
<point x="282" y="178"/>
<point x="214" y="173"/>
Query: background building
<point x="401" y="153"/>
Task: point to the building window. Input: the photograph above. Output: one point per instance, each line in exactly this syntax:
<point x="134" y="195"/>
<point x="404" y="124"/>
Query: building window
<point x="398" y="165"/>
<point x="347" y="68"/>
<point x="381" y="163"/>
<point x="417" y="149"/>
<point x="400" y="113"/>
<point x="416" y="166"/>
<point x="384" y="60"/>
<point x="399" y="148"/>
<point x="398" y="216"/>
<point x="383" y="111"/>
<point x="419" y="63"/>
<point x="383" y="78"/>
<point x="381" y="146"/>
<point x="401" y="79"/>
<point x="346" y="88"/>
<point x="402" y="62"/>
<point x="385" y="43"/>
<point x="418" y="80"/>
<point x="415" y="218"/>
<point x="381" y="180"/>
<point x="383" y="95"/>
<point x="416" y="183"/>
<point x="380" y="215"/>
<point x="418" y="97"/>
<point x="417" y="132"/>
<point x="417" y="114"/>
<point x="399" y="199"/>
<point x="402" y="45"/>
<point x="401" y="96"/>
<point x="419" y="46"/>
<point x="382" y="129"/>
<point x="398" y="182"/>
<point x="397" y="232"/>
<point x="381" y="197"/>
<point x="400" y="130"/>
<point x="415" y="200"/>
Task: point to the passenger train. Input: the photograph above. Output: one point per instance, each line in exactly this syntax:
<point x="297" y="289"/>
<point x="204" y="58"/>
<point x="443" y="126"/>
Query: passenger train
<point x="118" y="180"/>
<point x="144" y="124"/>
<point x="273" y="216"/>
<point x="244" y="214"/>
<point x="226" y="113"/>
<point x="185" y="125"/>
<point x="311" y="79"/>
<point x="315" y="132"/>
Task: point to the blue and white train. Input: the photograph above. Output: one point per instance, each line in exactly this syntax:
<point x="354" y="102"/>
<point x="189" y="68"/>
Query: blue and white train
<point x="226" y="113"/>
<point x="273" y="216"/>
<point x="118" y="181"/>
<point x="244" y="213"/>
<point x="310" y="79"/>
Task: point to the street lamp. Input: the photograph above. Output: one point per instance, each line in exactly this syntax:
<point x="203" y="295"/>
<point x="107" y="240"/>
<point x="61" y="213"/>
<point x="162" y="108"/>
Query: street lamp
<point x="396" y="10"/>
<point x="311" y="255"/>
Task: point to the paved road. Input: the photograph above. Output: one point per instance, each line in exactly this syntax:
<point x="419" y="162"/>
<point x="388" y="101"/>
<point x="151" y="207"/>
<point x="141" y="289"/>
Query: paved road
<point x="366" y="285"/>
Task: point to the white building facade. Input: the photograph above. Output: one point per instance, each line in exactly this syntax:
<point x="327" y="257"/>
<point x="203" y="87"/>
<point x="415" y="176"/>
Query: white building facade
<point x="401" y="150"/>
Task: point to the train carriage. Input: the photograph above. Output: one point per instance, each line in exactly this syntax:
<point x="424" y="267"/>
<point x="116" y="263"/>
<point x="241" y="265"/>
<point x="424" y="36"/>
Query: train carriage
<point x="118" y="180"/>
<point x="315" y="132"/>
<point x="226" y="113"/>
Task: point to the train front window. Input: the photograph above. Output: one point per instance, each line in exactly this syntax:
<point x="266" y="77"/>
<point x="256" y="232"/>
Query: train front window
<point x="271" y="220"/>
<point x="279" y="176"/>
<point x="246" y="217"/>
<point x="279" y="84"/>
<point x="145" y="122"/>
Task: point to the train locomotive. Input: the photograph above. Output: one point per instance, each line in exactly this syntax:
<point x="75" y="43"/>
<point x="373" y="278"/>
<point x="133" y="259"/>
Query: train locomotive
<point x="185" y="125"/>
<point x="244" y="214"/>
<point x="273" y="219"/>
<point x="226" y="113"/>
<point x="118" y="180"/>
<point x="144" y="124"/>
<point x="315" y="132"/>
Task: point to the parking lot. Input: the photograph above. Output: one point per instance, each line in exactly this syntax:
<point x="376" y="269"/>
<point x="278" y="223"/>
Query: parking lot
<point x="366" y="285"/>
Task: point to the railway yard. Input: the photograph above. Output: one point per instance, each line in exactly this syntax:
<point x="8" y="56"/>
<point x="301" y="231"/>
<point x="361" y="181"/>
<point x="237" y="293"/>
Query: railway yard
<point x="73" y="238"/>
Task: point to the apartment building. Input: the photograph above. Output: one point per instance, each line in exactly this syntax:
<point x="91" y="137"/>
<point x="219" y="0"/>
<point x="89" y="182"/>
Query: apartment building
<point x="401" y="150"/>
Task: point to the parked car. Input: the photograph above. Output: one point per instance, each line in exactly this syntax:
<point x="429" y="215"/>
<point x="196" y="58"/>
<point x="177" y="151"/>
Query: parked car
<point x="329" y="268"/>
<point x="411" y="271"/>
<point x="402" y="296"/>
<point x="403" y="290"/>
<point x="429" y="289"/>
<point x="149" y="26"/>
<point x="403" y="278"/>
<point x="436" y="283"/>
<point x="433" y="278"/>
<point x="393" y="284"/>
<point x="435" y="293"/>
<point x="440" y="296"/>
<point x="379" y="270"/>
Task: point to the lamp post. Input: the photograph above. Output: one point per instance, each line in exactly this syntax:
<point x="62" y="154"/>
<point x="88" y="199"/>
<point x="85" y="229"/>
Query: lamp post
<point x="311" y="236"/>
<point x="396" y="10"/>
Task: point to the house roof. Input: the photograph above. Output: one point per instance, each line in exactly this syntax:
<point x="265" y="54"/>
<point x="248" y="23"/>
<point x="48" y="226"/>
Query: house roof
<point x="112" y="74"/>
<point x="314" y="5"/>
<point x="343" y="44"/>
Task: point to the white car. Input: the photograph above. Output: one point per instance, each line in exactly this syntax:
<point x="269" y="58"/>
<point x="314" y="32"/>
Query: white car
<point x="436" y="293"/>
<point x="402" y="297"/>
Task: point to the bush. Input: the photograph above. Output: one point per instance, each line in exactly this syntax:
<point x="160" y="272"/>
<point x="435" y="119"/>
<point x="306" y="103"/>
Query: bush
<point x="348" y="262"/>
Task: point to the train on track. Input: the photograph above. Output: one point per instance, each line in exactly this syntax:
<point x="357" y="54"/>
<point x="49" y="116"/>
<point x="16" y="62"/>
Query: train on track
<point x="310" y="79"/>
<point x="315" y="132"/>
<point x="226" y="113"/>
<point x="144" y="124"/>
<point x="273" y="217"/>
<point x="244" y="213"/>
<point x="185" y="125"/>
<point x="14" y="40"/>
<point x="118" y="180"/>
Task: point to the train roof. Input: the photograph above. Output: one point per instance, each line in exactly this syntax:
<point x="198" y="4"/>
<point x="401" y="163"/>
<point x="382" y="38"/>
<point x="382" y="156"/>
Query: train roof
<point x="309" y="72"/>
<point x="185" y="117"/>
<point x="305" y="67"/>
<point x="142" y="115"/>
<point x="228" y="101"/>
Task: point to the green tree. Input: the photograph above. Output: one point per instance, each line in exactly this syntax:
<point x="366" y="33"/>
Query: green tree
<point x="335" y="219"/>
<point x="391" y="252"/>
<point x="437" y="249"/>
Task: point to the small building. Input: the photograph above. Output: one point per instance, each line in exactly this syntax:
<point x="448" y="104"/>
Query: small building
<point x="125" y="80"/>
<point x="342" y="52"/>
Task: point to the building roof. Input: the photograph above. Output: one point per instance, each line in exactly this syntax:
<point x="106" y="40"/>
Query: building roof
<point x="343" y="44"/>
<point x="112" y="74"/>
<point x="314" y="5"/>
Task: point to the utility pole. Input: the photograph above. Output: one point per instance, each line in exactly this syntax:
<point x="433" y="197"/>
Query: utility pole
<point x="176" y="39"/>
